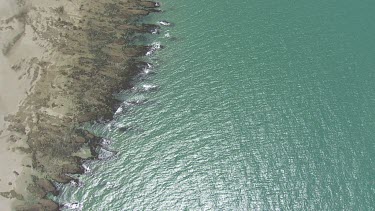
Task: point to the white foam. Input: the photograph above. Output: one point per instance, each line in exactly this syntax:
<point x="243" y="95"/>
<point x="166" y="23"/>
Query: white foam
<point x="86" y="168"/>
<point x="118" y="125"/>
<point x="154" y="31"/>
<point x="148" y="87"/>
<point x="155" y="46"/>
<point x="73" y="206"/>
<point x="75" y="184"/>
<point x="105" y="154"/>
<point x="164" y="23"/>
<point x="106" y="142"/>
<point x="147" y="71"/>
<point x="119" y="110"/>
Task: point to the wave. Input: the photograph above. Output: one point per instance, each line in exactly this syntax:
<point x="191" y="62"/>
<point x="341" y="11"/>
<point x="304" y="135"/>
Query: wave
<point x="154" y="47"/>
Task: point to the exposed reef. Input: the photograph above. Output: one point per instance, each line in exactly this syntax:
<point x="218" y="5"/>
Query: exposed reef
<point x="89" y="58"/>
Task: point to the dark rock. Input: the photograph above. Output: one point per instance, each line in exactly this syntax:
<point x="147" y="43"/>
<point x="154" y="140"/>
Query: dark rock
<point x="62" y="178"/>
<point x="149" y="4"/>
<point x="48" y="205"/>
<point x="72" y="168"/>
<point x="36" y="191"/>
<point x="30" y="207"/>
<point x="47" y="186"/>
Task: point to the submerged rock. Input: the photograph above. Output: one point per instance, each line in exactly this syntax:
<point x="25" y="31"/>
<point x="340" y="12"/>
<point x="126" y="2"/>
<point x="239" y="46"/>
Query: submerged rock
<point x="47" y="186"/>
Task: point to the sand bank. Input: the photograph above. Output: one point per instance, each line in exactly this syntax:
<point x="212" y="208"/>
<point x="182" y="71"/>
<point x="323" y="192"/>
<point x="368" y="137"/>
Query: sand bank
<point x="60" y="62"/>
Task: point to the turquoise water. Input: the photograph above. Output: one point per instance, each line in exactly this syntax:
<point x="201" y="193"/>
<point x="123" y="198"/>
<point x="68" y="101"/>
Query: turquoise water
<point x="262" y="105"/>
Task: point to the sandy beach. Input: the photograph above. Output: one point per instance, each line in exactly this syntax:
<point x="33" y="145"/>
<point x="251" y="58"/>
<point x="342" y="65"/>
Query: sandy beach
<point x="51" y="53"/>
<point x="17" y="78"/>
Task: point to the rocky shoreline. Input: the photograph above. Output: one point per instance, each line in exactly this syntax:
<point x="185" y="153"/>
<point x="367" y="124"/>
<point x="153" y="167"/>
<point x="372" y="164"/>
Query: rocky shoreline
<point x="90" y="57"/>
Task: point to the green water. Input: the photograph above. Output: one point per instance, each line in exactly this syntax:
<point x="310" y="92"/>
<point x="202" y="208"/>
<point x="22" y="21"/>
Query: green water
<point x="263" y="105"/>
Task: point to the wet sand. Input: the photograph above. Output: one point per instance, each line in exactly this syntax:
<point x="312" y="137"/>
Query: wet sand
<point x="60" y="63"/>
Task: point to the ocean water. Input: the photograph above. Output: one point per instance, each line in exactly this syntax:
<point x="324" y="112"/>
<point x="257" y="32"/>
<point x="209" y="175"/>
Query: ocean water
<point x="259" y="105"/>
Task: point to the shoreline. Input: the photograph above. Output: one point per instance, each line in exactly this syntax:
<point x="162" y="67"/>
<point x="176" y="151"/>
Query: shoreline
<point x="75" y="56"/>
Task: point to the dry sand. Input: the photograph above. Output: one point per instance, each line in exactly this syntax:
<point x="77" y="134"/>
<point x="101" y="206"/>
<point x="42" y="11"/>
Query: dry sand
<point x="17" y="51"/>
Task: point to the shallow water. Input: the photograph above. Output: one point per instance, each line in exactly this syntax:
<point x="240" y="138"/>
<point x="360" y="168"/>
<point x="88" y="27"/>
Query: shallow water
<point x="259" y="105"/>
